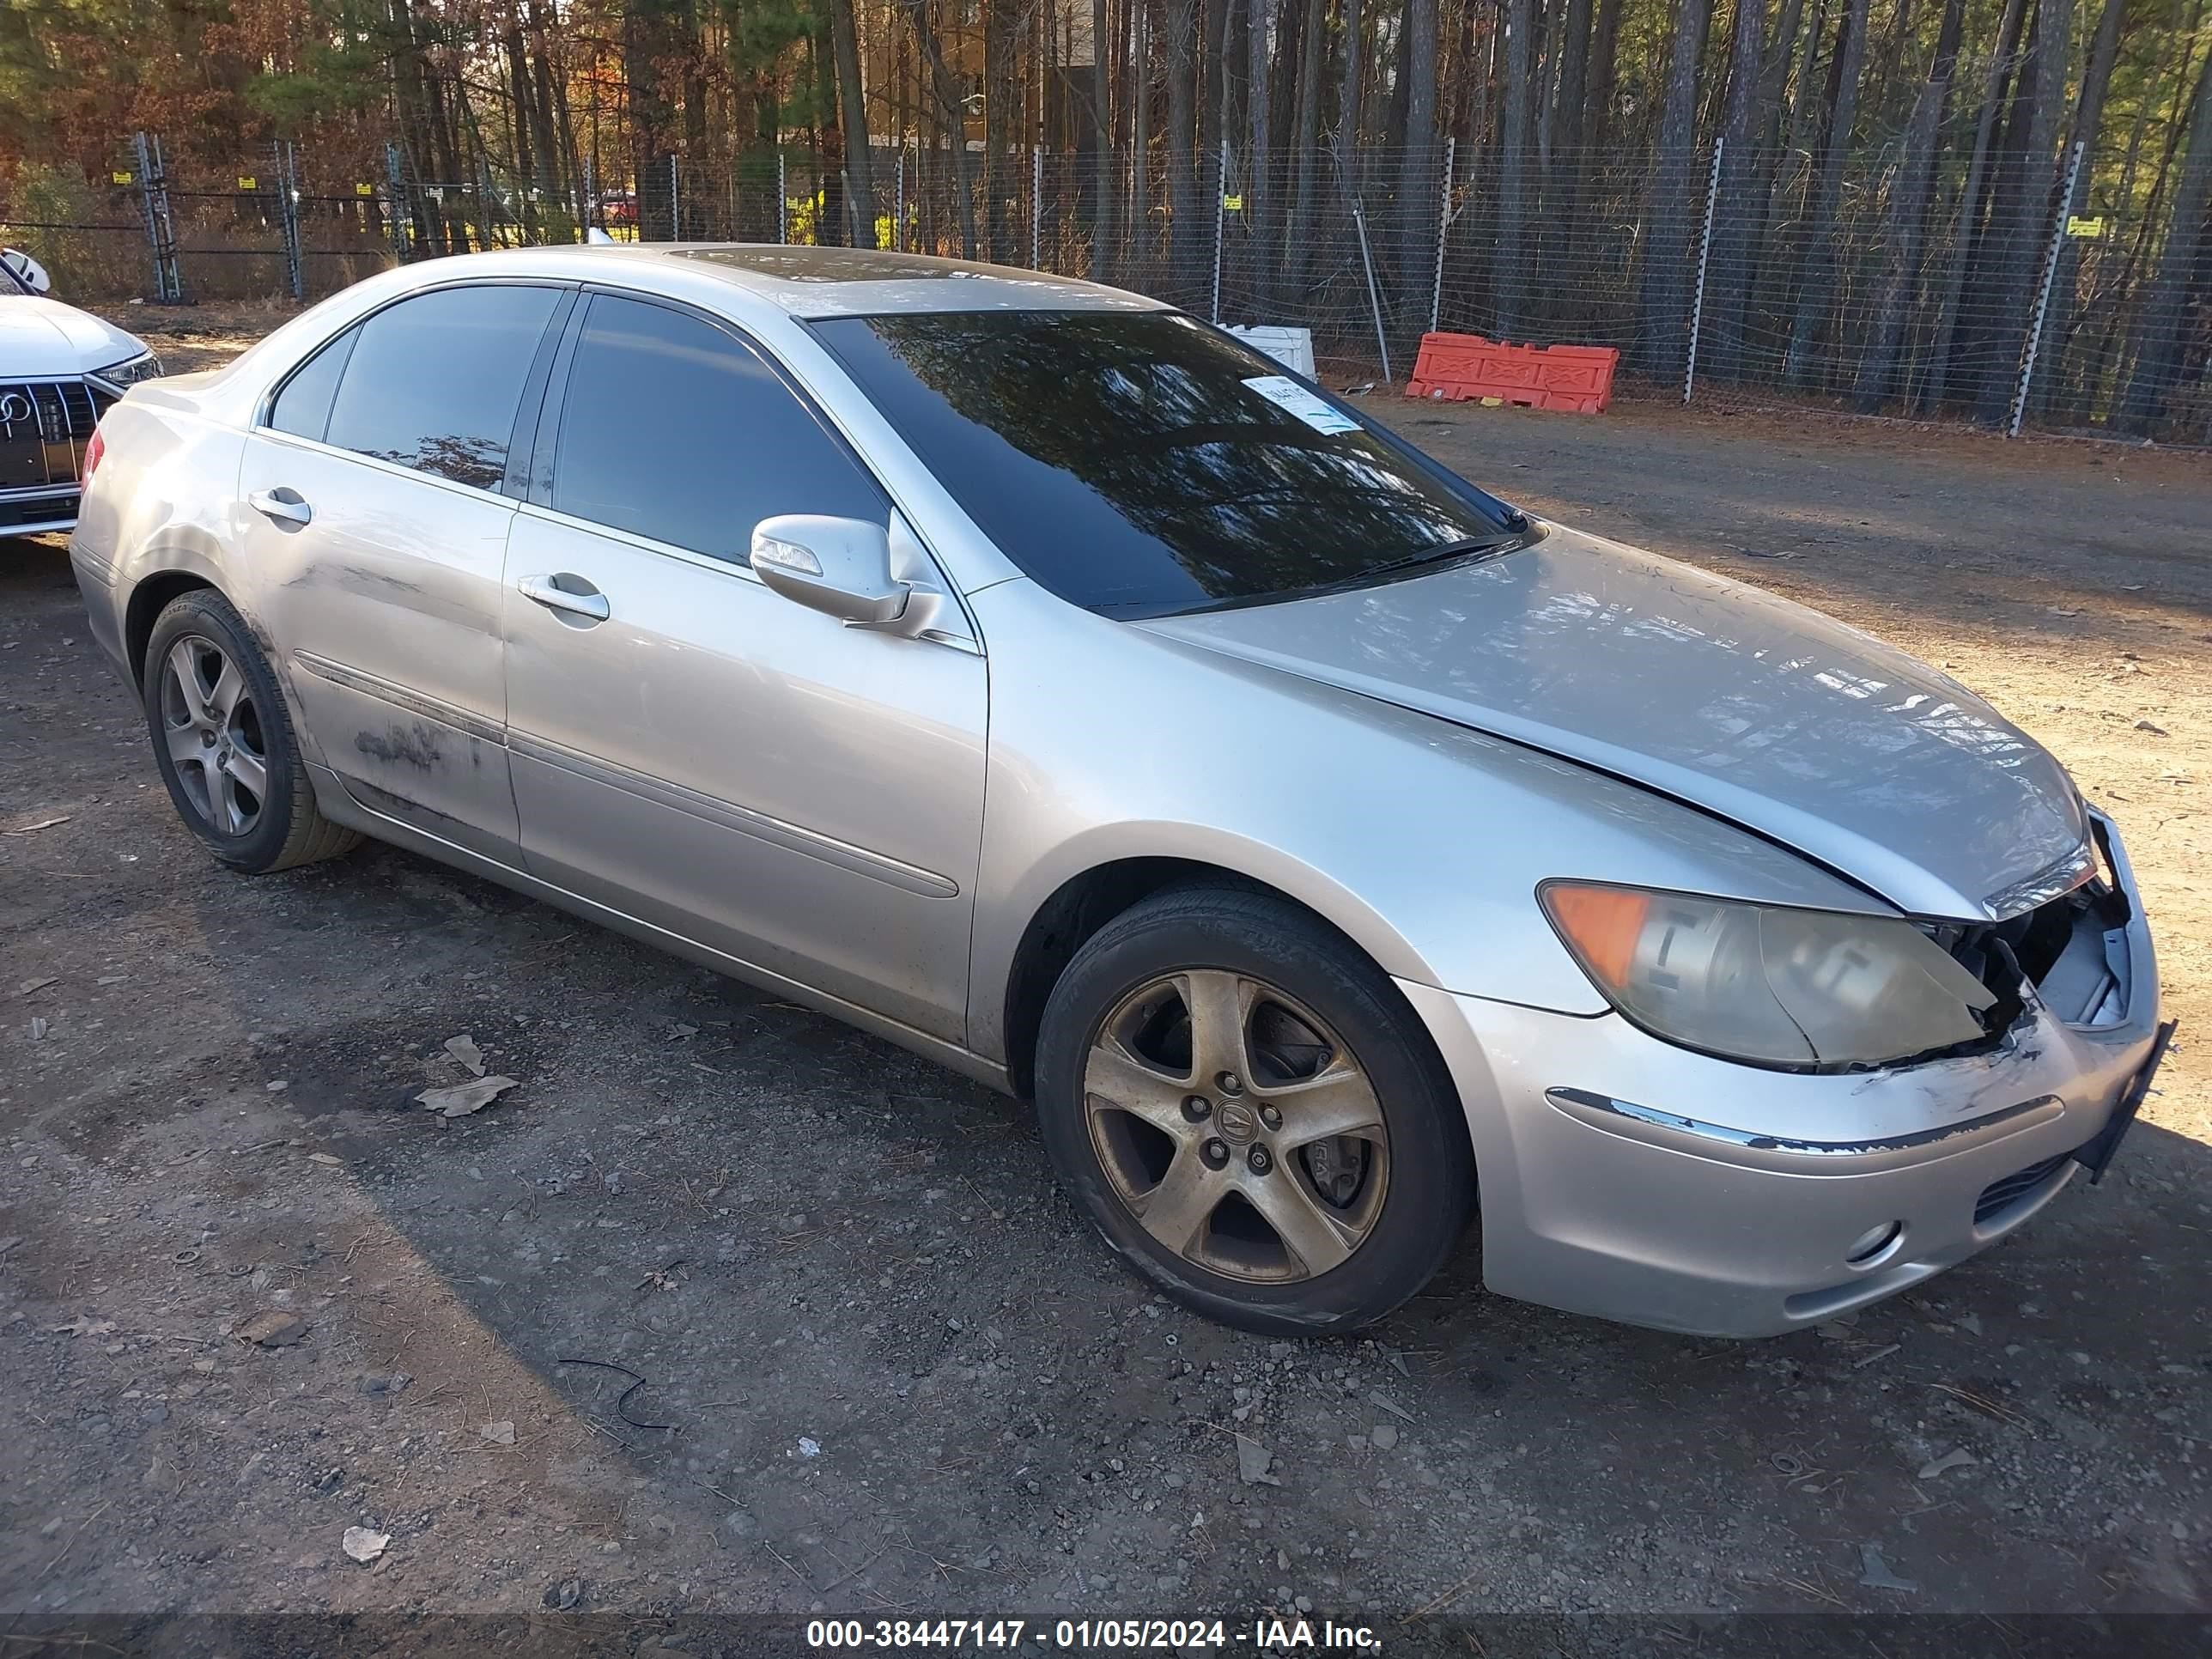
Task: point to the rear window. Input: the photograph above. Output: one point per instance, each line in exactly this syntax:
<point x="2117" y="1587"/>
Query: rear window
<point x="1141" y="463"/>
<point x="434" y="382"/>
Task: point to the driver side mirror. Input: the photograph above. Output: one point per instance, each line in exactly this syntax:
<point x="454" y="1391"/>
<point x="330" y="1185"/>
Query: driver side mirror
<point x="840" y="567"/>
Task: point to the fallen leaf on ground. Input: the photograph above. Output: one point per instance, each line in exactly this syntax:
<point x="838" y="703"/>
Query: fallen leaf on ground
<point x="365" y="1545"/>
<point x="271" y="1328"/>
<point x="30" y="985"/>
<point x="465" y="1097"/>
<point x="324" y="1157"/>
<point x="1950" y="1460"/>
<point x="1252" y="1462"/>
<point x="500" y="1434"/>
<point x="1877" y="1575"/>
<point x="464" y="1049"/>
<point x="85" y="1325"/>
<point x="1390" y="1405"/>
<point x="39" y="1029"/>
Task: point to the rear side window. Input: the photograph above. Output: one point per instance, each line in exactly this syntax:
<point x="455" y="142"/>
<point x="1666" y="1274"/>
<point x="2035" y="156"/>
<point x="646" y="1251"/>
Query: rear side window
<point x="434" y="382"/>
<point x="675" y="430"/>
<point x="303" y="407"/>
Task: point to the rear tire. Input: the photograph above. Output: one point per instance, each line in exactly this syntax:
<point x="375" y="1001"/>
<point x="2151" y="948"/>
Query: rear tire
<point x="1247" y="1109"/>
<point x="223" y="739"/>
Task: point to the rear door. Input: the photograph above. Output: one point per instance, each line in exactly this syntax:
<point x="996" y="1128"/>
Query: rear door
<point x="698" y="751"/>
<point x="376" y="502"/>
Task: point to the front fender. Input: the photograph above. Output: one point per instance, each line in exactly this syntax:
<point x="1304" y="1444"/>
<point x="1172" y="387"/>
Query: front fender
<point x="1421" y="840"/>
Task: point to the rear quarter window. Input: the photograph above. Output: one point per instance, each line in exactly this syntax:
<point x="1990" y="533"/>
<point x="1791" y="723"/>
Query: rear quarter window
<point x="302" y="406"/>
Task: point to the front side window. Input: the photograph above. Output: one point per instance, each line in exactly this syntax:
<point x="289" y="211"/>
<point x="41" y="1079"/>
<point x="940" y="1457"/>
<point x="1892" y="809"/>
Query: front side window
<point x="1138" y="464"/>
<point x="675" y="430"/>
<point x="435" y="381"/>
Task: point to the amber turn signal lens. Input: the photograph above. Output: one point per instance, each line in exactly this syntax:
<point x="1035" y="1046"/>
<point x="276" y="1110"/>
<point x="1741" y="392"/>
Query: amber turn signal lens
<point x="1603" y="924"/>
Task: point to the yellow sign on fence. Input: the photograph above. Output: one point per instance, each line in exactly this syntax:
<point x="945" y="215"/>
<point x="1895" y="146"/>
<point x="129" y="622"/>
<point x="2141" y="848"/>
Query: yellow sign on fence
<point x="245" y="183"/>
<point x="364" y="190"/>
<point x="2078" y="226"/>
<point x="1232" y="204"/>
<point x="119" y="177"/>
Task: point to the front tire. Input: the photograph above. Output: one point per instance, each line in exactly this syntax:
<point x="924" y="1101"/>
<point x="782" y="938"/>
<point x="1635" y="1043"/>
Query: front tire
<point x="1248" y="1110"/>
<point x="223" y="739"/>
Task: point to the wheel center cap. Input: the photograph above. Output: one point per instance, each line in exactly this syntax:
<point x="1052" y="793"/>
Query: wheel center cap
<point x="1236" y="1121"/>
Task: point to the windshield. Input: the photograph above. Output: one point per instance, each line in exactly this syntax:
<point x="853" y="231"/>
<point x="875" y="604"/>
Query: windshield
<point x="1140" y="465"/>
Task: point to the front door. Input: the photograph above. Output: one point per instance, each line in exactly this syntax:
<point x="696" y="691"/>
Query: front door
<point x="375" y="532"/>
<point x="698" y="751"/>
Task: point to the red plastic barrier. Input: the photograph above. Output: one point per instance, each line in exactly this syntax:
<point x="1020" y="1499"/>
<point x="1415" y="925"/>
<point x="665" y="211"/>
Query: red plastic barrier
<point x="1453" y="368"/>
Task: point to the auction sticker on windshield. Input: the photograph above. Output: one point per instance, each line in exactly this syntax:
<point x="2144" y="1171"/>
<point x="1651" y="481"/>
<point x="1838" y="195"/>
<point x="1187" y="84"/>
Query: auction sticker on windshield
<point x="1286" y="393"/>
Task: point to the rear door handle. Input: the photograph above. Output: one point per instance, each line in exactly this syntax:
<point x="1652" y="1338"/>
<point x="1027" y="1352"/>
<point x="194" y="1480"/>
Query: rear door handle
<point x="546" y="591"/>
<point x="286" y="507"/>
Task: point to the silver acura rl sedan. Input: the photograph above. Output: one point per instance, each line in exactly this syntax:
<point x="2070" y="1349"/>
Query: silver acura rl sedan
<point x="1042" y="679"/>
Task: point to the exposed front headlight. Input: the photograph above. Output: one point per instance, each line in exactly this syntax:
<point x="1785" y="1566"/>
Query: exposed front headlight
<point x="121" y="377"/>
<point x="1769" y="984"/>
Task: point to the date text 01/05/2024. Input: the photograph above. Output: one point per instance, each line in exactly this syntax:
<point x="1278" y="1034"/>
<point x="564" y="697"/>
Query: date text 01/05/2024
<point x="1091" y="1635"/>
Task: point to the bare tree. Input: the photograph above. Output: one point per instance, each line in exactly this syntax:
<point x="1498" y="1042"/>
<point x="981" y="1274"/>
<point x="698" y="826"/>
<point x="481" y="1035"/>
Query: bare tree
<point x="1417" y="175"/>
<point x="1908" y="212"/>
<point x="2156" y="346"/>
<point x="1313" y="48"/>
<point x="2001" y="65"/>
<point x="1571" y="124"/>
<point x="951" y="117"/>
<point x="2088" y="121"/>
<point x="1102" y="149"/>
<point x="1667" y="246"/>
<point x="1352" y="77"/>
<point x="1510" y="259"/>
<point x="1818" y="287"/>
<point x="1259" y="105"/>
<point x="2021" y="215"/>
<point x="1182" y="120"/>
<point x="853" y="119"/>
<point x="1730" y="270"/>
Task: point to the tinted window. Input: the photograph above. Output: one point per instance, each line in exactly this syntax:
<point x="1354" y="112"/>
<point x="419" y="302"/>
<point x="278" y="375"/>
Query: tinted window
<point x="434" y="381"/>
<point x="1139" y="463"/>
<point x="303" y="407"/>
<point x="675" y="430"/>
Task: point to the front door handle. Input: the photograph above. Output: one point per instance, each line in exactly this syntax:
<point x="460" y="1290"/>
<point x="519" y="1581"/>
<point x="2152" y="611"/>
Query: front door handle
<point x="548" y="591"/>
<point x="284" y="506"/>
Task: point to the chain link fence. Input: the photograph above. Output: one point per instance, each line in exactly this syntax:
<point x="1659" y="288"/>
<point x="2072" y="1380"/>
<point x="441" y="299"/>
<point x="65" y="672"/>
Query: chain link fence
<point x="1996" y="296"/>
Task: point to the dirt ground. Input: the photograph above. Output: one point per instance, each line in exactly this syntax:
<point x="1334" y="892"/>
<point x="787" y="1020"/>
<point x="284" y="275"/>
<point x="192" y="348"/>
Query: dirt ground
<point x="879" y="1368"/>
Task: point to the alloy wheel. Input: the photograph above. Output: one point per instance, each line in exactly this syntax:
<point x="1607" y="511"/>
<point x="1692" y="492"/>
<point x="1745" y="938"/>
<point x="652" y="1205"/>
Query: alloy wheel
<point x="214" y="733"/>
<point x="1235" y="1125"/>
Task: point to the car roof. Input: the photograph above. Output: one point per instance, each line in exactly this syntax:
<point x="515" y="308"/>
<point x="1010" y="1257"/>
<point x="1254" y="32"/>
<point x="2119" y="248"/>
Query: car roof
<point x="834" y="282"/>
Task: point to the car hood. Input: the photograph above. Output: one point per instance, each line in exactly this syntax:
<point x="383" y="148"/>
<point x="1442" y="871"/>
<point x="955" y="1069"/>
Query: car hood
<point x="1791" y="724"/>
<point x="40" y="337"/>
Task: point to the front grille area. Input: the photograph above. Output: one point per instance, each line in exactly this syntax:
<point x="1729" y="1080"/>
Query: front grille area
<point x="2000" y="1194"/>
<point x="44" y="426"/>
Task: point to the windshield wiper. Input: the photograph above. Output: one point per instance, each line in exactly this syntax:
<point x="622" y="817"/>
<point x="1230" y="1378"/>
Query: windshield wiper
<point x="1436" y="554"/>
<point x="1465" y="547"/>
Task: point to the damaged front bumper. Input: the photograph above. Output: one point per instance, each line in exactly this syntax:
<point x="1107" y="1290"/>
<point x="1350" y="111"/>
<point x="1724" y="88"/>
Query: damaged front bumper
<point x="1625" y="1178"/>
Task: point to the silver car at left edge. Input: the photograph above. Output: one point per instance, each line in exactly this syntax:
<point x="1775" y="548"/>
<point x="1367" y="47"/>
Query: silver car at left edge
<point x="1042" y="679"/>
<point x="60" y="369"/>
